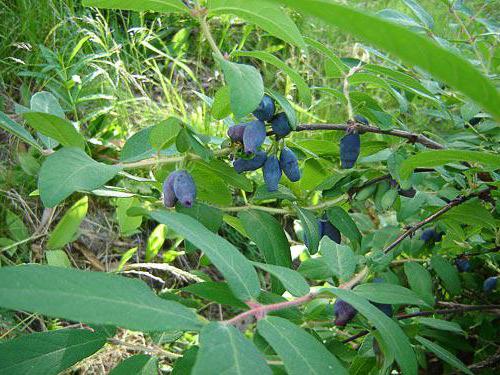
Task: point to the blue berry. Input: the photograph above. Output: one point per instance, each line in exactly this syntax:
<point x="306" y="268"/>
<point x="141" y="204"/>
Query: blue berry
<point x="289" y="164"/>
<point x="169" y="197"/>
<point x="253" y="136"/>
<point x="272" y="173"/>
<point x="361" y="119"/>
<point x="490" y="284"/>
<point x="185" y="188"/>
<point x="344" y="312"/>
<point x="326" y="228"/>
<point x="236" y="132"/>
<point x="463" y="264"/>
<point x="350" y="147"/>
<point x="265" y="110"/>
<point x="244" y="165"/>
<point x="281" y="126"/>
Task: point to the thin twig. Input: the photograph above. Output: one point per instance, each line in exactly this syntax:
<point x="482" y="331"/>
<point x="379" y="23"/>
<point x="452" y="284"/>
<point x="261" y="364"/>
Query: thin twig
<point x="361" y="128"/>
<point x="455" y="310"/>
<point x="259" y="311"/>
<point x="139" y="348"/>
<point x="455" y="202"/>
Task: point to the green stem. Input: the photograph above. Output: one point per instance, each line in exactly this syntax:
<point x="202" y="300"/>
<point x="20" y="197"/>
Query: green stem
<point x="208" y="35"/>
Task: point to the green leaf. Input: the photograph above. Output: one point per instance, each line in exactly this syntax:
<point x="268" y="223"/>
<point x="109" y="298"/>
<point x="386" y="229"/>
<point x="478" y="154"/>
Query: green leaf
<point x="164" y="6"/>
<point x="224" y="349"/>
<point x="261" y="194"/>
<point x="57" y="258"/>
<point x="302" y="87"/>
<point x="435" y="158"/>
<point x="410" y="47"/>
<point x="96" y="297"/>
<point x="310" y="227"/>
<point x="301" y="353"/>
<point x="48" y="353"/>
<point x="165" y="133"/>
<point x="285" y="106"/>
<point x="340" y="258"/>
<point x="268" y="16"/>
<point x="237" y="270"/>
<point x="46" y="102"/>
<point x="67" y="227"/>
<point x="420" y="12"/>
<point x="215" y="291"/>
<point x="221" y="107"/>
<point x="226" y="173"/>
<point x="185" y="364"/>
<point x="472" y="213"/>
<point x="343" y="222"/>
<point x="447" y="273"/>
<point x="19" y="131"/>
<point x="138" y="147"/>
<point x="291" y="280"/>
<point x="441" y="324"/>
<point x="340" y="67"/>
<point x="391" y="332"/>
<point x="55" y="127"/>
<point x="155" y="241"/>
<point x="128" y="224"/>
<point x="246" y="87"/>
<point x="268" y="235"/>
<point x="444" y="354"/>
<point x="315" y="269"/>
<point x="17" y="230"/>
<point x="139" y="364"/>
<point x="388" y="293"/>
<point x="420" y="281"/>
<point x="69" y="170"/>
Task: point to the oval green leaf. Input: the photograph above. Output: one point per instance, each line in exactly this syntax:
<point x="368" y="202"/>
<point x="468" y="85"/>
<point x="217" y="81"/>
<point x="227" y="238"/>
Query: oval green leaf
<point x="91" y="297"/>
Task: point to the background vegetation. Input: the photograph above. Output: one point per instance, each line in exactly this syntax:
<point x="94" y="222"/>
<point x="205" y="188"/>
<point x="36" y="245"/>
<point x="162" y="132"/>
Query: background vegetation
<point x="116" y="72"/>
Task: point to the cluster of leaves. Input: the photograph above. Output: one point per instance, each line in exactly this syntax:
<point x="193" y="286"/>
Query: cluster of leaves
<point x="406" y="237"/>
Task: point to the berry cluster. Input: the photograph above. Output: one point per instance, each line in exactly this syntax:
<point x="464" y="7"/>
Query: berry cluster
<point x="179" y="186"/>
<point x="253" y="134"/>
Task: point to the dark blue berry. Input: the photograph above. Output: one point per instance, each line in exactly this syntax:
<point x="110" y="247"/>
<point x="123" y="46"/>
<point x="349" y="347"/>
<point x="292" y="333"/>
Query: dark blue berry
<point x="281" y="126"/>
<point x="272" y="173"/>
<point x="289" y="164"/>
<point x="169" y="197"/>
<point x="475" y="120"/>
<point x="463" y="264"/>
<point x="185" y="188"/>
<point x="490" y="284"/>
<point x="326" y="228"/>
<point x="253" y="136"/>
<point x="350" y="146"/>
<point x="245" y="165"/>
<point x="265" y="110"/>
<point x="428" y="235"/>
<point x="344" y="312"/>
<point x="408" y="193"/>
<point x="361" y="119"/>
<point x="236" y="132"/>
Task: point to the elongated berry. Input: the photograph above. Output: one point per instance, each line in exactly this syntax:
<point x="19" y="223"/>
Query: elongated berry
<point x="280" y="125"/>
<point x="344" y="312"/>
<point x="490" y="284"/>
<point x="350" y="146"/>
<point x="326" y="228"/>
<point x="185" y="188"/>
<point x="236" y="132"/>
<point x="244" y="165"/>
<point x="253" y="136"/>
<point x="265" y="110"/>
<point x="272" y="173"/>
<point x="361" y="119"/>
<point x="408" y="193"/>
<point x="169" y="197"/>
<point x="289" y="164"/>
